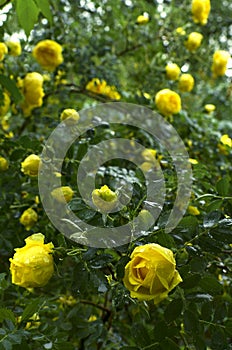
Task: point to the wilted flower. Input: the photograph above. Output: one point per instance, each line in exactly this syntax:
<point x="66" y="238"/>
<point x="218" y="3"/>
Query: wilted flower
<point x="3" y="164"/>
<point x="32" y="265"/>
<point x="3" y="51"/>
<point x="186" y="82"/>
<point x="200" y="11"/>
<point x="48" y="54"/>
<point x="28" y="218"/>
<point x="14" y="48"/>
<point x="104" y="199"/>
<point x="168" y="102"/>
<point x="220" y="60"/>
<point x="151" y="273"/>
<point x="194" y="41"/>
<point x="30" y="165"/>
<point x="172" y="71"/>
<point x="62" y="194"/>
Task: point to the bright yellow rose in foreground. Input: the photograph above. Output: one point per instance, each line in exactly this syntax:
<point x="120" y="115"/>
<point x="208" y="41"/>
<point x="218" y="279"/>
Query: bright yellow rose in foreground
<point x="172" y="71"/>
<point x="30" y="165"/>
<point x="168" y="102"/>
<point x="200" y="11"/>
<point x="194" y="41"/>
<point x="220" y="60"/>
<point x="62" y="194"/>
<point x="151" y="273"/>
<point x="32" y="265"/>
<point x="186" y="83"/>
<point x="3" y="51"/>
<point x="48" y="54"/>
<point x="104" y="199"/>
<point x="28" y="218"/>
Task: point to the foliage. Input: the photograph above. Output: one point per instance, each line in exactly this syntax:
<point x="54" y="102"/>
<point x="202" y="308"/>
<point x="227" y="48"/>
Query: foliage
<point x="85" y="305"/>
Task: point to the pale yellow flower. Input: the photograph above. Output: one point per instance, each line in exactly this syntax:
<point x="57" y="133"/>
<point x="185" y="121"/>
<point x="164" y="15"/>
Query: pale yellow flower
<point x="48" y="54"/>
<point x="200" y="11"/>
<point x="142" y="19"/>
<point x="172" y="71"/>
<point x="209" y="108"/>
<point x="186" y="83"/>
<point x="226" y="140"/>
<point x="30" y="165"/>
<point x="193" y="210"/>
<point x="3" y="51"/>
<point x="168" y="102"/>
<point x="104" y="199"/>
<point x="28" y="218"/>
<point x="3" y="164"/>
<point x="14" y="48"/>
<point x="70" y="115"/>
<point x="220" y="61"/>
<point x="62" y="194"/>
<point x="193" y="41"/>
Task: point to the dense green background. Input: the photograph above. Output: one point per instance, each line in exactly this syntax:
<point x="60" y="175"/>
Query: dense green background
<point x="101" y="39"/>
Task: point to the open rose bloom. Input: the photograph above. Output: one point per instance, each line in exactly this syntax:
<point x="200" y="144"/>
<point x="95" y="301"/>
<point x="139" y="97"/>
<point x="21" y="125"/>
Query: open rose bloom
<point x="151" y="273"/>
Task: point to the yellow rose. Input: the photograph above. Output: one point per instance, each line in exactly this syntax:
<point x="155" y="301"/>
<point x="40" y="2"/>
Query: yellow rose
<point x="70" y="115"/>
<point x="100" y="87"/>
<point x="220" y="60"/>
<point x="4" y="105"/>
<point x="14" y="47"/>
<point x="194" y="41"/>
<point x="168" y="102"/>
<point x="200" y="11"/>
<point x="3" y="164"/>
<point x="3" y="51"/>
<point x="62" y="194"/>
<point x="186" y="83"/>
<point x="226" y="140"/>
<point x="48" y="54"/>
<point x="32" y="265"/>
<point x="151" y="273"/>
<point x="32" y="88"/>
<point x="209" y="108"/>
<point x="104" y="199"/>
<point x="142" y="19"/>
<point x="30" y="165"/>
<point x="28" y="218"/>
<point x="172" y="71"/>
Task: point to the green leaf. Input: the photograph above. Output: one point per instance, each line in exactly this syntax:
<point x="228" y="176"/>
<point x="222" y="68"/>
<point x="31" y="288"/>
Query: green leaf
<point x="11" y="87"/>
<point x="6" y="344"/>
<point x="191" y="322"/>
<point x="223" y="186"/>
<point x="27" y="12"/>
<point x="191" y="281"/>
<point x="169" y="344"/>
<point x="30" y="309"/>
<point x="173" y="310"/>
<point x="44" y="7"/>
<point x="6" y="314"/>
<point x="211" y="285"/>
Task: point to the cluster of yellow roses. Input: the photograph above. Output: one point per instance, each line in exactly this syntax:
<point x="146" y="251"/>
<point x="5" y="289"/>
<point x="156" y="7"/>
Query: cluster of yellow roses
<point x="168" y="102"/>
<point x="100" y="87"/>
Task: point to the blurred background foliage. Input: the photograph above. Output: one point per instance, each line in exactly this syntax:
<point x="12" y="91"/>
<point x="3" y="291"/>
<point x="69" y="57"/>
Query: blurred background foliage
<point x="85" y="305"/>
